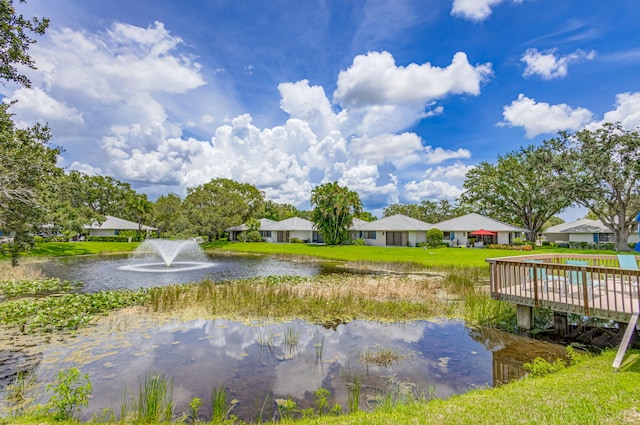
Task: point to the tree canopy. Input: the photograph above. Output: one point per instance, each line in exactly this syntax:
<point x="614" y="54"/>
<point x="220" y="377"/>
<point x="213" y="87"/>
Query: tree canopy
<point x="215" y="206"/>
<point x="600" y="169"/>
<point x="334" y="210"/>
<point x="520" y="189"/>
<point x="427" y="211"/>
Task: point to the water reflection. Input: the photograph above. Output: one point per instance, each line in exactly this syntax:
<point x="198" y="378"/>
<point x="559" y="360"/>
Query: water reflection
<point x="264" y="362"/>
<point x="113" y="271"/>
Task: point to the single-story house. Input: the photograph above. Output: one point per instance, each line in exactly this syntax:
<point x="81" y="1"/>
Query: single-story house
<point x="112" y="226"/>
<point x="234" y="231"/>
<point x="457" y="230"/>
<point x="291" y="228"/>
<point x="397" y="230"/>
<point x="585" y="230"/>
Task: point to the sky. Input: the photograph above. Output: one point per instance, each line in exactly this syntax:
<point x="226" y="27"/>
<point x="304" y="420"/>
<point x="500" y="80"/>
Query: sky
<point x="395" y="100"/>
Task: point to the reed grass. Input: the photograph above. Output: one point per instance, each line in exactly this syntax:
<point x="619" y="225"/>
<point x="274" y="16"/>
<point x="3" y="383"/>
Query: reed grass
<point x="336" y="298"/>
<point x="153" y="401"/>
<point x="383" y="357"/>
<point x="219" y="407"/>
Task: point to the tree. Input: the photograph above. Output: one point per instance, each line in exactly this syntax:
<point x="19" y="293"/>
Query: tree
<point x="278" y="212"/>
<point x="141" y="208"/>
<point x="427" y="211"/>
<point x="334" y="210"/>
<point x="215" y="206"/>
<point x="14" y="42"/>
<point x="168" y="215"/>
<point x="600" y="170"/>
<point x="25" y="159"/>
<point x="76" y="199"/>
<point x="26" y="165"/>
<point x="520" y="189"/>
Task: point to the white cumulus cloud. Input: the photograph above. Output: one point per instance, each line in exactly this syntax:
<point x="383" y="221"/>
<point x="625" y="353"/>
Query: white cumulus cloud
<point x="627" y="112"/>
<point x="549" y="65"/>
<point x="475" y="10"/>
<point x="540" y="117"/>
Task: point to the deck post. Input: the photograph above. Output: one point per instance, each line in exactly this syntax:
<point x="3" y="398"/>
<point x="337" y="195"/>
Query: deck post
<point x="524" y="316"/>
<point x="560" y="323"/>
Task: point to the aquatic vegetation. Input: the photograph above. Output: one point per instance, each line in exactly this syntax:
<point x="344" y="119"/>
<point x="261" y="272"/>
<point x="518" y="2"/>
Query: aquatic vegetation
<point x="71" y="392"/>
<point x="21" y="394"/>
<point x="383" y="357"/>
<point x="153" y="402"/>
<point x="66" y="312"/>
<point x="12" y="289"/>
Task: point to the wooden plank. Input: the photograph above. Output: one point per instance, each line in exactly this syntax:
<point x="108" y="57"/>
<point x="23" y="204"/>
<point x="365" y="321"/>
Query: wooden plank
<point x="626" y="340"/>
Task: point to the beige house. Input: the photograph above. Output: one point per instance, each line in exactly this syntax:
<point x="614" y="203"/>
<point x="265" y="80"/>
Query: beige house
<point x="397" y="230"/>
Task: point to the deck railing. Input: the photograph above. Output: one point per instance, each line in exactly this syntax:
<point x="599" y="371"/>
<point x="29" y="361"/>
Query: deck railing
<point x="593" y="285"/>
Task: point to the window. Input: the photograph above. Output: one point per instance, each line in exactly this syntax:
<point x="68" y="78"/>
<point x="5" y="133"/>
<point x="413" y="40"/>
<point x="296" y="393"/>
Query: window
<point x="447" y="236"/>
<point x="605" y="237"/>
<point x="368" y="234"/>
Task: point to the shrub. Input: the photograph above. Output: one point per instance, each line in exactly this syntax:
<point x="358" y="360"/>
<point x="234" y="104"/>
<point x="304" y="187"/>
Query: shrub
<point x="434" y="237"/>
<point x="254" y="236"/>
<point x="295" y="240"/>
<point x="107" y="238"/>
<point x="518" y="241"/>
<point x="71" y="391"/>
<point x="510" y="247"/>
<point x="359" y="242"/>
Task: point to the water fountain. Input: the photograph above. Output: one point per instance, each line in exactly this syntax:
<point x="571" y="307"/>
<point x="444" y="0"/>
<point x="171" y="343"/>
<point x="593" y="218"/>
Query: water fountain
<point x="176" y="256"/>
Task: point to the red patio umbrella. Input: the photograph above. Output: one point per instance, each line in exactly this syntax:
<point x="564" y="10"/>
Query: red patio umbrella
<point x="482" y="232"/>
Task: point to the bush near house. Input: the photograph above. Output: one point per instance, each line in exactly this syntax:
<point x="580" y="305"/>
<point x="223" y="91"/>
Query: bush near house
<point x="526" y="247"/>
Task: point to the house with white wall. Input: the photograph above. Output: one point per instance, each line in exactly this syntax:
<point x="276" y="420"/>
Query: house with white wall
<point x="586" y="230"/>
<point x="112" y="226"/>
<point x="291" y="228"/>
<point x="457" y="230"/>
<point x="396" y="230"/>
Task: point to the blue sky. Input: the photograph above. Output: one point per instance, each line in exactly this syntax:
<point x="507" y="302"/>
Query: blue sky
<point x="395" y="99"/>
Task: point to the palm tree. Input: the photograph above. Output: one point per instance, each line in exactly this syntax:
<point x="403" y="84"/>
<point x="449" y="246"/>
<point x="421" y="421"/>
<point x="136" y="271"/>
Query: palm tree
<point x="335" y="207"/>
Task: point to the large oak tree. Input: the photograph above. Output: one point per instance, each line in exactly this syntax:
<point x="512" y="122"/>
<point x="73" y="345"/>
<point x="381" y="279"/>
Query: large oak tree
<point x="600" y="169"/>
<point x="520" y="188"/>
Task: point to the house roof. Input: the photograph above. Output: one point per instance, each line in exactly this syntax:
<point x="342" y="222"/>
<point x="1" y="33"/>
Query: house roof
<point x="242" y="227"/>
<point x="116" y="223"/>
<point x="584" y="225"/>
<point x="473" y="221"/>
<point x="290" y="224"/>
<point x="397" y="222"/>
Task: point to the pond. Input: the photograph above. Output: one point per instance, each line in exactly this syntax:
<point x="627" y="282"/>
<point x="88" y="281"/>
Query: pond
<point x="260" y="363"/>
<point x="114" y="272"/>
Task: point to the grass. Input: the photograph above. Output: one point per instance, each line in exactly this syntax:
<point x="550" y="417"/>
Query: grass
<point x="429" y="258"/>
<point x="60" y="249"/>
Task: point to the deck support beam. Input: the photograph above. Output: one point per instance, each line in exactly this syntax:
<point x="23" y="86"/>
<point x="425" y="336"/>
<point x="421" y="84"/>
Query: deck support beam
<point x="524" y="316"/>
<point x="626" y="340"/>
<point x="560" y="323"/>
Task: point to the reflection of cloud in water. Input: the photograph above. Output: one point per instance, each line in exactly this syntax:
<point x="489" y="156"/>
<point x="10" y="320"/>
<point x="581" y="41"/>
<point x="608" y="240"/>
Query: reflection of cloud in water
<point x="203" y="354"/>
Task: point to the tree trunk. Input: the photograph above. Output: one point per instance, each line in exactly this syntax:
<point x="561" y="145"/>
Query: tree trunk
<point x="622" y="239"/>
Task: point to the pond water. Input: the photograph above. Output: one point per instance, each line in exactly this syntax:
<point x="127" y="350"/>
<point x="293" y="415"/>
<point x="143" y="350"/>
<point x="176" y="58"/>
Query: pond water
<point x="114" y="272"/>
<point x="259" y="363"/>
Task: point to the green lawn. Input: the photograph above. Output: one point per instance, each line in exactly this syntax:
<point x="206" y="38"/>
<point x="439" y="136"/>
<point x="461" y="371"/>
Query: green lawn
<point x="440" y="257"/>
<point x="58" y="249"/>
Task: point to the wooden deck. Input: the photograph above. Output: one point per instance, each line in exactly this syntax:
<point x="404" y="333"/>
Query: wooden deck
<point x="599" y="289"/>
